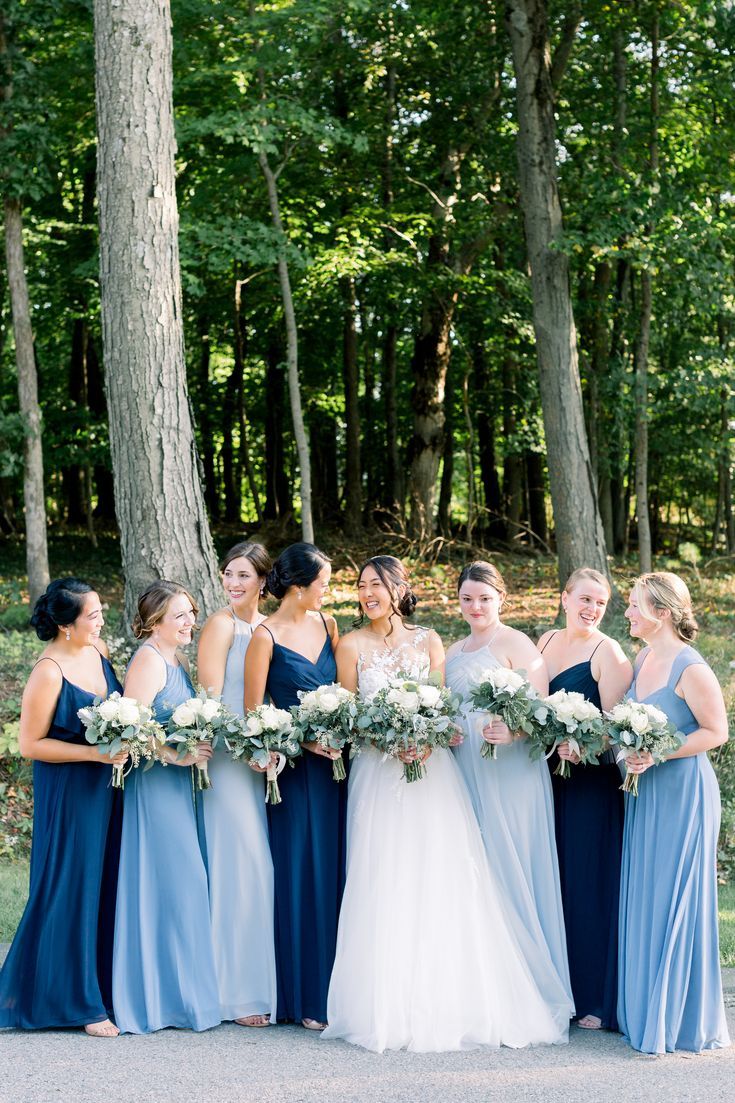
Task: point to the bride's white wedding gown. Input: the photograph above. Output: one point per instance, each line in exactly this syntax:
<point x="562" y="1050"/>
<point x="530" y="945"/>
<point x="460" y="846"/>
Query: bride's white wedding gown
<point x="426" y="959"/>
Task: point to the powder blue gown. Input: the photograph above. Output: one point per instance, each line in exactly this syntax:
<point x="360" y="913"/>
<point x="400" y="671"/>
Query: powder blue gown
<point x="57" y="972"/>
<point x="511" y="796"/>
<point x="307" y="835"/>
<point x="240" y="865"/>
<point x="670" y="986"/>
<point x="588" y="815"/>
<point x="163" y="959"/>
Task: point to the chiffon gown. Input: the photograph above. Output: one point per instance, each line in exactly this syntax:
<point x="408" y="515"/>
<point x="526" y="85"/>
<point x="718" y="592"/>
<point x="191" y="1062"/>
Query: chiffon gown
<point x="670" y="987"/>
<point x="163" y="960"/>
<point x="58" y="969"/>
<point x="427" y="959"/>
<point x="511" y="796"/>
<point x="240" y="866"/>
<point x="588" y="814"/>
<point x="307" y="832"/>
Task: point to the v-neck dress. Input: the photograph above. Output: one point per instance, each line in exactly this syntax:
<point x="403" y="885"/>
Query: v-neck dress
<point x="58" y="969"/>
<point x="307" y="836"/>
<point x="670" y="986"/>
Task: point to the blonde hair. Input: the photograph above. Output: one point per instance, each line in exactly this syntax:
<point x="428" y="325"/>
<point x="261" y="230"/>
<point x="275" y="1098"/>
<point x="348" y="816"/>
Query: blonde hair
<point x="589" y="573"/>
<point x="664" y="590"/>
<point x="153" y="604"/>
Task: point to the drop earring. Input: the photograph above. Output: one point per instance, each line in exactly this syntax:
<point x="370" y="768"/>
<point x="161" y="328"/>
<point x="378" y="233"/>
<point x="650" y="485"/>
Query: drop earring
<point x="68" y="634"/>
<point x="299" y="595"/>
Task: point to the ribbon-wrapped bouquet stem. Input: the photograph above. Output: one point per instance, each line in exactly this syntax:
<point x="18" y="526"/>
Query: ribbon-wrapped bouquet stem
<point x="637" y="728"/>
<point x="265" y="733"/>
<point x="327" y="716"/>
<point x="571" y="719"/>
<point x="510" y="696"/>
<point x="201" y="719"/>
<point x="122" y="723"/>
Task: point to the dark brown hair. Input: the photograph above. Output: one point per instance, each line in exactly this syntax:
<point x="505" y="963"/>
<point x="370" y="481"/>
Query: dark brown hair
<point x="394" y="577"/>
<point x="254" y="553"/>
<point x="298" y="565"/>
<point x="482" y="571"/>
<point x="153" y="604"/>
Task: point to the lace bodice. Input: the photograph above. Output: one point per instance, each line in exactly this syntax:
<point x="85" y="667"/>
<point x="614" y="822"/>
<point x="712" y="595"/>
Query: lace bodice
<point x="375" y="666"/>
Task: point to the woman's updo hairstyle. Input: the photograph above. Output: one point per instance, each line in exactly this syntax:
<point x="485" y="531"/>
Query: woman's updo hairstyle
<point x="256" y="554"/>
<point x="298" y="565"/>
<point x="482" y="571"/>
<point x="394" y="577"/>
<point x="153" y="604"/>
<point x="58" y="606"/>
<point x="664" y="590"/>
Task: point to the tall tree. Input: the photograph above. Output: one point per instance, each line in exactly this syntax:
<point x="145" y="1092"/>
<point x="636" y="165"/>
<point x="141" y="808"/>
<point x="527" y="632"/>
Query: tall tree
<point x="158" y="495"/>
<point x="579" y="535"/>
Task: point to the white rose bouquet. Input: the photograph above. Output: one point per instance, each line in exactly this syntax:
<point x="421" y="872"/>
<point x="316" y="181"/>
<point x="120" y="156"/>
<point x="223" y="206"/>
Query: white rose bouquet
<point x="201" y="719"/>
<point x="121" y="723"/>
<point x="327" y="716"/>
<point x="409" y="716"/>
<point x="635" y="728"/>
<point x="571" y="719"/>
<point x="509" y="695"/>
<point x="266" y="731"/>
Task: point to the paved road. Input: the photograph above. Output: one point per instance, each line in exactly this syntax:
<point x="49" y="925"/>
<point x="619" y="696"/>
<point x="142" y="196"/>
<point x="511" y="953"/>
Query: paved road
<point x="289" y="1065"/>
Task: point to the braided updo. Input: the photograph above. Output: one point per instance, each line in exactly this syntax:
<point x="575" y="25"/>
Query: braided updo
<point x="665" y="590"/>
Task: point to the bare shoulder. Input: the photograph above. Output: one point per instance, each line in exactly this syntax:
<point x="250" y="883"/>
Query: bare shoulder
<point x="219" y="624"/>
<point x="331" y="624"/>
<point x="102" y="647"/>
<point x="515" y="642"/>
<point x="45" y="677"/>
<point x="349" y="644"/>
<point x="454" y="648"/>
<point x="545" y="637"/>
<point x="147" y="659"/>
<point x="610" y="649"/>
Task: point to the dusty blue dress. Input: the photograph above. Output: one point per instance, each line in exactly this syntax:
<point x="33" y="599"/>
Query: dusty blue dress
<point x="240" y="865"/>
<point x="307" y="835"/>
<point x="57" y="972"/>
<point x="670" y="986"/>
<point x="163" y="959"/>
<point x="588" y="816"/>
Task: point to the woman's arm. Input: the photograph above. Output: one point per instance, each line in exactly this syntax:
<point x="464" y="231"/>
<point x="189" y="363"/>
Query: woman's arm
<point x="523" y="655"/>
<point x="333" y="631"/>
<point x="346" y="656"/>
<point x="612" y="672"/>
<point x="40" y="698"/>
<point x="257" y="663"/>
<point x="702" y="693"/>
<point x="437" y="656"/>
<point x="214" y="645"/>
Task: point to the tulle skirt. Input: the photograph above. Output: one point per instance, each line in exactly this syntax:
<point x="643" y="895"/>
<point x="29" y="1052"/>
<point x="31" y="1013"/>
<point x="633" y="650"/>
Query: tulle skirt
<point x="426" y="957"/>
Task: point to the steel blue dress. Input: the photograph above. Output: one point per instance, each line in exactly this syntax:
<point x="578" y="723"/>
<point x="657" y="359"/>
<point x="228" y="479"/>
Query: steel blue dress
<point x="670" y="986"/>
<point x="240" y="865"/>
<point x="57" y="972"/>
<point x="163" y="959"/>
<point x="307" y="835"/>
<point x="588" y="817"/>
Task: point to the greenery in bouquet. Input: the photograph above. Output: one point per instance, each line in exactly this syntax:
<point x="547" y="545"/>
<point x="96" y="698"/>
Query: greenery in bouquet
<point x="509" y="695"/>
<point x="120" y="723"/>
<point x="637" y="728"/>
<point x="327" y="716"/>
<point x="571" y="719"/>
<point x="265" y="733"/>
<point x="200" y="719"/>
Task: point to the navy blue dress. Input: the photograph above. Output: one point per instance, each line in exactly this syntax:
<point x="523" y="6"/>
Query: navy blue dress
<point x="58" y="969"/>
<point x="588" y="818"/>
<point x="307" y="836"/>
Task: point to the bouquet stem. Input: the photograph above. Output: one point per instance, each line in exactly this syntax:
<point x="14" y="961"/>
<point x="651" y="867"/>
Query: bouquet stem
<point x="118" y="777"/>
<point x="488" y="750"/>
<point x="630" y="785"/>
<point x="413" y="771"/>
<point x="562" y="769"/>
<point x="203" y="781"/>
<point x="338" y="769"/>
<point x="273" y="793"/>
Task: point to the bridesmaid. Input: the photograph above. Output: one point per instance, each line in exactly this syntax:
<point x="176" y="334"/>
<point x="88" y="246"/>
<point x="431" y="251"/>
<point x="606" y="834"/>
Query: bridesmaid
<point x="163" y="961"/>
<point x="670" y="987"/>
<point x="294" y="650"/>
<point x="238" y="855"/>
<point x="588" y="806"/>
<point x="57" y="972"/>
<point x="511" y="794"/>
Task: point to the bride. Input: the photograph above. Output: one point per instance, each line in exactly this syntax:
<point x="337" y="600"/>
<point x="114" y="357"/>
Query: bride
<point x="426" y="959"/>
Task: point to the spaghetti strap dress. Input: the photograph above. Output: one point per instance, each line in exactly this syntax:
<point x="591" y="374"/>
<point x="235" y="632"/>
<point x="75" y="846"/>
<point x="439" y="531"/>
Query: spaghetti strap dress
<point x="307" y="836"/>
<point x="163" y="960"/>
<point x="588" y="820"/>
<point x="240" y="865"/>
<point x="670" y="985"/>
<point x="58" y="969"/>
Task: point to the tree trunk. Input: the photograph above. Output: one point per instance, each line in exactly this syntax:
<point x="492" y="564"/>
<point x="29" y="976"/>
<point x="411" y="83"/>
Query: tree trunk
<point x="579" y="537"/>
<point x="393" y="499"/>
<point x="33" y="492"/>
<point x="323" y="439"/>
<point x="351" y="382"/>
<point x="211" y="496"/>
<point x="164" y="531"/>
<point x="512" y="462"/>
<point x="277" y="490"/>
<point x="246" y="463"/>
<point x="445" y="489"/>
<point x="485" y="418"/>
<point x="536" y="498"/>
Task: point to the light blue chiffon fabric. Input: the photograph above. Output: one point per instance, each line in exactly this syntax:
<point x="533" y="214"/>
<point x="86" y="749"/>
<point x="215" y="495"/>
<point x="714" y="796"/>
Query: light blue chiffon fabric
<point x="513" y="802"/>
<point x="670" y="986"/>
<point x="163" y="971"/>
<point x="240" y="866"/>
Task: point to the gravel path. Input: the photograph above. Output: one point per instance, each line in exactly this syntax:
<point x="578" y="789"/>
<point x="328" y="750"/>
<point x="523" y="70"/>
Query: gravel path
<point x="287" y="1064"/>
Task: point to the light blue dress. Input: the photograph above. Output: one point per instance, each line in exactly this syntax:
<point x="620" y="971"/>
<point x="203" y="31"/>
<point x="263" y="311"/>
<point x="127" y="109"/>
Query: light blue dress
<point x="670" y="986"/>
<point x="513" y="802"/>
<point x="240" y="865"/>
<point x="163" y="971"/>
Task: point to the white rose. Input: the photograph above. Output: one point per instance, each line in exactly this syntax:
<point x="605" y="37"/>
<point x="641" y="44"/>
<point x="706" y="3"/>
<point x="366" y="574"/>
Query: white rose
<point x="430" y="696"/>
<point x="404" y="699"/>
<point x="184" y="716"/>
<point x="86" y="716"/>
<point x="128" y="711"/>
<point x="639" y="722"/>
<point x="210" y="709"/>
<point x="508" y="680"/>
<point x="253" y="725"/>
<point x="272" y="717"/>
<point x="108" y="708"/>
<point x="656" y="715"/>
<point x="329" y="702"/>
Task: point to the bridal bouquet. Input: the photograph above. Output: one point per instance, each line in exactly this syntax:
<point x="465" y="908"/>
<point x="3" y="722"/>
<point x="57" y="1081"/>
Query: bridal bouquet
<point x="571" y="719"/>
<point x="266" y="731"/>
<point x="507" y="694"/>
<point x="327" y="716"/>
<point x="635" y="728"/>
<point x="201" y="719"/>
<point x="121" y="723"/>
<point x="408" y="715"/>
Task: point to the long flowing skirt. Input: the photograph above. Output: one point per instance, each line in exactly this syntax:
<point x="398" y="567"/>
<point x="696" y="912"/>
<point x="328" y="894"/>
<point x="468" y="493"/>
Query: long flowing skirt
<point x="426" y="958"/>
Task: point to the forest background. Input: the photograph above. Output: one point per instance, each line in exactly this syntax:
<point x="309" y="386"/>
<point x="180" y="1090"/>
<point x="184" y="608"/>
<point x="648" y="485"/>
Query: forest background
<point x="364" y="157"/>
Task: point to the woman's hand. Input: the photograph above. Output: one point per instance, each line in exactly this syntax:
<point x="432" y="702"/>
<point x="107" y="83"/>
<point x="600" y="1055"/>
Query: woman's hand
<point x="638" y="763"/>
<point x="273" y="761"/>
<point x="497" y="732"/>
<point x="325" y="752"/>
<point x="457" y="738"/>
<point x="197" y="758"/>
<point x="564" y="751"/>
<point x="413" y="755"/>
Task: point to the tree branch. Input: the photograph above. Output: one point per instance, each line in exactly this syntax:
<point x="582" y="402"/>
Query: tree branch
<point x="563" y="50"/>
